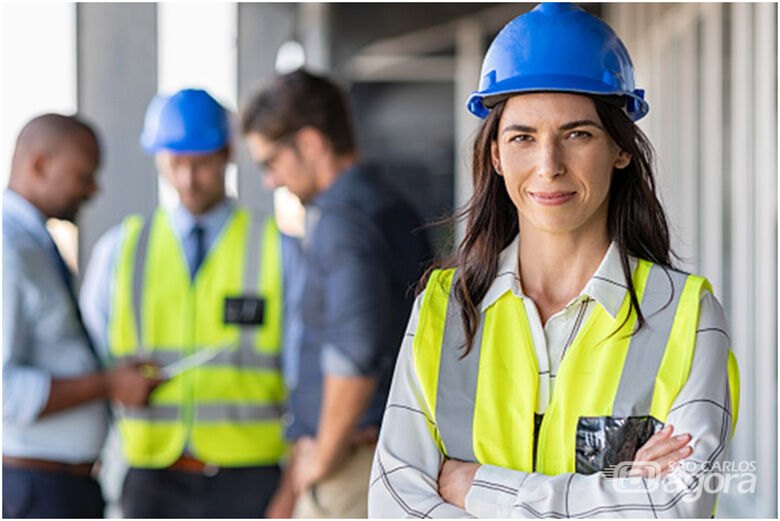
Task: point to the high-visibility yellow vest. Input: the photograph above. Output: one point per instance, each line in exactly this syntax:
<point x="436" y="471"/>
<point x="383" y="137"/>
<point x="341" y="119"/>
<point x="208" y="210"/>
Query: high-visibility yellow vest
<point x="612" y="391"/>
<point x="227" y="411"/>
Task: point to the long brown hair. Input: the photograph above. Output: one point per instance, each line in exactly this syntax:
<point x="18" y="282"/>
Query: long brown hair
<point x="636" y="220"/>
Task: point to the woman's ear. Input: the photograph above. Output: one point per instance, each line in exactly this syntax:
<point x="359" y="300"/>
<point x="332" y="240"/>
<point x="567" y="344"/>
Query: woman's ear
<point x="495" y="158"/>
<point x="623" y="160"/>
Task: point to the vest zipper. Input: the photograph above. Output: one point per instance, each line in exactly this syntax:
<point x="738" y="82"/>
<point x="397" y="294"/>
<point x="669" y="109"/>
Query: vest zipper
<point x="576" y="328"/>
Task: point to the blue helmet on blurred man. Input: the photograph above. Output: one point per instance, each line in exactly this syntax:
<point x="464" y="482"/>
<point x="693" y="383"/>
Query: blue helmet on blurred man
<point x="188" y="122"/>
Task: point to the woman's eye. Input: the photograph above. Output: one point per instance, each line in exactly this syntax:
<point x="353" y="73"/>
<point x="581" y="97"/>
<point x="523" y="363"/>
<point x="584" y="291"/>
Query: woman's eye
<point x="580" y="134"/>
<point x="521" y="138"/>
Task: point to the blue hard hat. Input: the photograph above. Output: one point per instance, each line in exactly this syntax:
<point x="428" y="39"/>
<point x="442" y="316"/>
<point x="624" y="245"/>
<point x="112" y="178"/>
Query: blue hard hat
<point x="557" y="47"/>
<point x="190" y="121"/>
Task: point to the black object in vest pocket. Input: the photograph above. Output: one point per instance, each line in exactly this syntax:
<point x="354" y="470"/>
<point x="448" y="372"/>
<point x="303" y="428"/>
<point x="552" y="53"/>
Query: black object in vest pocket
<point x="244" y="311"/>
<point x="605" y="441"/>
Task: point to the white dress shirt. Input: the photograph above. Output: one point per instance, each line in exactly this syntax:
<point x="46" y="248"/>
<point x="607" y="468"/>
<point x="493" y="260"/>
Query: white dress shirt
<point x="42" y="340"/>
<point x="407" y="460"/>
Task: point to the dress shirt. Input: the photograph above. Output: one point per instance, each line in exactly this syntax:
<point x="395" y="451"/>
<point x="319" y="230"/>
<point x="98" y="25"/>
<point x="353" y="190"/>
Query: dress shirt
<point x="95" y="298"/>
<point x="359" y="258"/>
<point x="407" y="461"/>
<point x="42" y="340"/>
<point x="292" y="333"/>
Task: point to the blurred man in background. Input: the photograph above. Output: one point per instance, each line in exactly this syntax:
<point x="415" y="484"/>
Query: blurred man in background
<point x="360" y="256"/>
<point x="199" y="291"/>
<point x="55" y="417"/>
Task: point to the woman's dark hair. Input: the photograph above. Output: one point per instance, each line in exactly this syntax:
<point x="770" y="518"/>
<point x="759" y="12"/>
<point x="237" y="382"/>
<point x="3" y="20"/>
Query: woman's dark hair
<point x="636" y="220"/>
<point x="301" y="99"/>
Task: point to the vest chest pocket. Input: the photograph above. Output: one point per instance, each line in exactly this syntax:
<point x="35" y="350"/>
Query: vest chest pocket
<point x="605" y="441"/>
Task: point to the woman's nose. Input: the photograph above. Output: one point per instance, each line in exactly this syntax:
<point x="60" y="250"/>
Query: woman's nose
<point x="550" y="162"/>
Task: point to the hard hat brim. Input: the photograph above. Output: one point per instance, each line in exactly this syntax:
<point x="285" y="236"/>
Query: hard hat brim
<point x="181" y="149"/>
<point x="480" y="102"/>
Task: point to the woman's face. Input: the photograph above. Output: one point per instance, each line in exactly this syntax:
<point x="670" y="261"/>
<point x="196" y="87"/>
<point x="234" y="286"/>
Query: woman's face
<point x="556" y="159"/>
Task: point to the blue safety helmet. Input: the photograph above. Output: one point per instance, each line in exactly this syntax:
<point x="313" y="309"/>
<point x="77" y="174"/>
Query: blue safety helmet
<point x="188" y="122"/>
<point x="557" y="47"/>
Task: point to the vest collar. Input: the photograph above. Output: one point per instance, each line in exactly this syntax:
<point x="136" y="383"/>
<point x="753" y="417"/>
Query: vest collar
<point x="607" y="286"/>
<point x="211" y="221"/>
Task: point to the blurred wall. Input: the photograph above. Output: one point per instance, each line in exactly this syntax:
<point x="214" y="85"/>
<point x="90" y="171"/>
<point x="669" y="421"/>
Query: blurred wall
<point x="710" y="71"/>
<point x="117" y="76"/>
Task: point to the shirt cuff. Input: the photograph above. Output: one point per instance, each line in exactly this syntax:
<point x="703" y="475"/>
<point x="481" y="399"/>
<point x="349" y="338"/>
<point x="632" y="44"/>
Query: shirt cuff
<point x="493" y="491"/>
<point x="25" y="393"/>
<point x="336" y="363"/>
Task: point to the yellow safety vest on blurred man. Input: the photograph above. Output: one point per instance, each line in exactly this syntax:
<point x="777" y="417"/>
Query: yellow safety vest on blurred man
<point x="228" y="409"/>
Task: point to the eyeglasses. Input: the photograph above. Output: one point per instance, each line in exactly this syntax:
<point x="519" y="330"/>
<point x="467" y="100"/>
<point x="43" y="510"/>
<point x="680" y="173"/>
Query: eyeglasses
<point x="285" y="141"/>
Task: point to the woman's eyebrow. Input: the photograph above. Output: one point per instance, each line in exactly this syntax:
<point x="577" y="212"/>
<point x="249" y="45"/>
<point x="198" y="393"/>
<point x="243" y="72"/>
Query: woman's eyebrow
<point x="567" y="126"/>
<point x="581" y="123"/>
<point x="518" y="128"/>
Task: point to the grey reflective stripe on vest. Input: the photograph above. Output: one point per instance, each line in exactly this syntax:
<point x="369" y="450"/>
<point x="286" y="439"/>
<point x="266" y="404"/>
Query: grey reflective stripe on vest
<point x="252" y="273"/>
<point x="237" y="412"/>
<point x="141" y="248"/>
<point x="455" y="403"/>
<point x="212" y="412"/>
<point x="246" y="357"/>
<point x="647" y="347"/>
<point x="150" y="413"/>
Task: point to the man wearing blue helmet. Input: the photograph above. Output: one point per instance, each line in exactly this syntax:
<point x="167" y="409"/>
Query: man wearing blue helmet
<point x="198" y="291"/>
<point x="547" y="363"/>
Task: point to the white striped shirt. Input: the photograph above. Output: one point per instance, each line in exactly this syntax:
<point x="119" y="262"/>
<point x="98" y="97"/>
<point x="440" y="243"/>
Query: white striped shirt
<point x="407" y="460"/>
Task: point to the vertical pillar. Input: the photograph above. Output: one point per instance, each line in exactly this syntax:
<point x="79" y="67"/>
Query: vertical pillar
<point x="764" y="207"/>
<point x="741" y="170"/>
<point x="469" y="50"/>
<point x="315" y="35"/>
<point x="688" y="144"/>
<point x="117" y="76"/>
<point x="262" y="28"/>
<point x="711" y="159"/>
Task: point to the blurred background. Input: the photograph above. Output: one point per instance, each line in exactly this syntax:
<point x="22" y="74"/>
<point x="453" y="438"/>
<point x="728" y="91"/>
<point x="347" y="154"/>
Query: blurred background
<point x="710" y="72"/>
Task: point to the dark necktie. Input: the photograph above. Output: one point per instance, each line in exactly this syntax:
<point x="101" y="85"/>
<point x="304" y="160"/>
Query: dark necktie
<point x="200" y="249"/>
<point x="67" y="277"/>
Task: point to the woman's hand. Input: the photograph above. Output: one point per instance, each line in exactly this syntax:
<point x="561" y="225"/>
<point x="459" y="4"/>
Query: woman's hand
<point x="656" y="458"/>
<point x="455" y="479"/>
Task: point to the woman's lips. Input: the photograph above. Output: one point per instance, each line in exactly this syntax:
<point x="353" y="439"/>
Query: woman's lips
<point x="552" y="198"/>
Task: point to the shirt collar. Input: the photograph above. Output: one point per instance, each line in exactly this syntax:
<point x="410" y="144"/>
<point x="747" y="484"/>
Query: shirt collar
<point x="26" y="214"/>
<point x="333" y="192"/>
<point x="211" y="221"/>
<point x="607" y="286"/>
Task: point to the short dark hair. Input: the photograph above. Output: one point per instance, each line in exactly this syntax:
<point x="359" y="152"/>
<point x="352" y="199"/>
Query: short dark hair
<point x="301" y="99"/>
<point x="49" y="131"/>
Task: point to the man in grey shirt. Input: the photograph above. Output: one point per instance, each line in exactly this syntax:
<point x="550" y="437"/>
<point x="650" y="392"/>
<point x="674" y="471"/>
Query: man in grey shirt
<point x="54" y="392"/>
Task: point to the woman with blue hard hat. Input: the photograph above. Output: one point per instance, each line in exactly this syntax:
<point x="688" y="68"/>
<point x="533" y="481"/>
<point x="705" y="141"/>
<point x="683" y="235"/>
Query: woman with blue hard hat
<point x="548" y="362"/>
